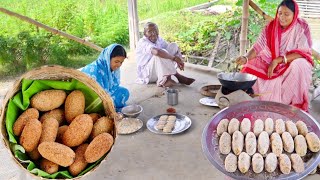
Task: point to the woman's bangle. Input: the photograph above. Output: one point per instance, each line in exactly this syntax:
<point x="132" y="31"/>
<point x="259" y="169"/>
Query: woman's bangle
<point x="245" y="58"/>
<point x="285" y="60"/>
<point x="174" y="58"/>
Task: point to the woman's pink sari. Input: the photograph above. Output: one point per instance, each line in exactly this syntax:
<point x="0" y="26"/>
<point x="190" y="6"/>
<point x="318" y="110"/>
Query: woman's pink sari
<point x="274" y="42"/>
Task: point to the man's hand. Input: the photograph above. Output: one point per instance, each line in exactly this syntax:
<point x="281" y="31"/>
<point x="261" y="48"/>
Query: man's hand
<point x="273" y="65"/>
<point x="179" y="61"/>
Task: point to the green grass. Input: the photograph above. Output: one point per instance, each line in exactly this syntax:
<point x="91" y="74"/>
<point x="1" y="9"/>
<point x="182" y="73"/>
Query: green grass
<point x="150" y="8"/>
<point x="102" y="23"/>
<point x="170" y="23"/>
<point x="80" y="60"/>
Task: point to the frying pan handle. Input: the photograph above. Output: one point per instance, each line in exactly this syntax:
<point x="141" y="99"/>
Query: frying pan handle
<point x="225" y="100"/>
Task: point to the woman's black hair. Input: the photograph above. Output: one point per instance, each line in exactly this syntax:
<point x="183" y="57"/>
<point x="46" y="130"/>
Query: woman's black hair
<point x="118" y="51"/>
<point x="289" y="4"/>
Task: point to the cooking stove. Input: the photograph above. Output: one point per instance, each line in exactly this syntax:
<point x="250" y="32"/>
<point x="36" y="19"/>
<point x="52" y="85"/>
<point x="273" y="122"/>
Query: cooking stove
<point x="226" y="97"/>
<point x="227" y="91"/>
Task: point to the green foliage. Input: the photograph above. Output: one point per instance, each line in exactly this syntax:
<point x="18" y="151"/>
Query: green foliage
<point x="268" y="6"/>
<point x="103" y="23"/>
<point x="316" y="67"/>
<point x="26" y="51"/>
<point x="185" y="34"/>
<point x="197" y="34"/>
<point x="151" y="8"/>
<point x="24" y="46"/>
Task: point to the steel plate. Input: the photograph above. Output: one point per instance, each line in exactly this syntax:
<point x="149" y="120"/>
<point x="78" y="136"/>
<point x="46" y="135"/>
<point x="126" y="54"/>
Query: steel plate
<point x="209" y="101"/>
<point x="182" y="123"/>
<point x="258" y="110"/>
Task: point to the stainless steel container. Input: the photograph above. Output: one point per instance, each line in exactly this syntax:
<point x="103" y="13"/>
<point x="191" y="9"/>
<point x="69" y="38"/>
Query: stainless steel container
<point x="172" y="97"/>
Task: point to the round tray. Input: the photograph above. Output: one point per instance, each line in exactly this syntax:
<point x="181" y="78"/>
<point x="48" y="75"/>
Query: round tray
<point x="210" y="90"/>
<point x="257" y="110"/>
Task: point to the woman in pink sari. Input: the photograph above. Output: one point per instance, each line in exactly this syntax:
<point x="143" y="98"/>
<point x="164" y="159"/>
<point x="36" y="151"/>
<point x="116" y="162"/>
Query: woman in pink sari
<point x="281" y="58"/>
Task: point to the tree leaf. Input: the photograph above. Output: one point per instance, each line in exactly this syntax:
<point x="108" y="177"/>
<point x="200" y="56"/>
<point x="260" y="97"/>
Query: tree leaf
<point x="239" y="2"/>
<point x="228" y="35"/>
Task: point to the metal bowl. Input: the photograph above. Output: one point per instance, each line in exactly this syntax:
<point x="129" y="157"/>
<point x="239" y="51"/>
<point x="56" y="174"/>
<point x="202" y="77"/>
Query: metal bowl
<point x="258" y="110"/>
<point x="132" y="111"/>
<point x="236" y="81"/>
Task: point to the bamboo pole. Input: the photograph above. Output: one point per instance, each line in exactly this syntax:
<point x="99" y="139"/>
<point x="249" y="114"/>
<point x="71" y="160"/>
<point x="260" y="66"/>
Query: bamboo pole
<point x="260" y="11"/>
<point x="50" y="29"/>
<point x="215" y="50"/>
<point x="244" y="27"/>
<point x="269" y="18"/>
<point x="133" y="24"/>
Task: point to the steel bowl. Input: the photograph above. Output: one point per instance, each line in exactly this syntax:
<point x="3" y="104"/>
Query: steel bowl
<point x="132" y="111"/>
<point x="258" y="110"/>
<point x="236" y="81"/>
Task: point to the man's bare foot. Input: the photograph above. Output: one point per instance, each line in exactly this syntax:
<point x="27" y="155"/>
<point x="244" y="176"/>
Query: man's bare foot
<point x="184" y="80"/>
<point x="169" y="83"/>
<point x="187" y="81"/>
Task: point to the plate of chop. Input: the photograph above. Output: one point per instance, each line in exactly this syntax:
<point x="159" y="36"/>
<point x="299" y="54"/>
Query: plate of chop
<point x="169" y="123"/>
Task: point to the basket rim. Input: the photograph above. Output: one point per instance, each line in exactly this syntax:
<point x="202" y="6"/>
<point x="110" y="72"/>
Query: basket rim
<point x="205" y="90"/>
<point x="56" y="72"/>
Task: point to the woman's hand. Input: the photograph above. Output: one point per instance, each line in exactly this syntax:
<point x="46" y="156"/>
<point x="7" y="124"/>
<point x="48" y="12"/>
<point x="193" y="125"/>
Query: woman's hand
<point x="273" y="65"/>
<point x="179" y="61"/>
<point x="118" y="116"/>
<point x="241" y="60"/>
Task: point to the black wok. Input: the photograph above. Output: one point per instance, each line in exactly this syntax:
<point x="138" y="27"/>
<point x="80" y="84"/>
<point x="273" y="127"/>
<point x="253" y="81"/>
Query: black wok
<point x="236" y="81"/>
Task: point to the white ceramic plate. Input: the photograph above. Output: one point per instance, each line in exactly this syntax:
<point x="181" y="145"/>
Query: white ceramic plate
<point x="209" y="101"/>
<point x="182" y="123"/>
<point x="129" y="125"/>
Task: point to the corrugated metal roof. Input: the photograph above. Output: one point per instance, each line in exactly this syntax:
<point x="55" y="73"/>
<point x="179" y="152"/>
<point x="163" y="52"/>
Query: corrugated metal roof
<point x="309" y="8"/>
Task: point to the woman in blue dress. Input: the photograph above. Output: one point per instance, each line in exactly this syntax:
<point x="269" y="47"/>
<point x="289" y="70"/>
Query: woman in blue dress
<point x="106" y="71"/>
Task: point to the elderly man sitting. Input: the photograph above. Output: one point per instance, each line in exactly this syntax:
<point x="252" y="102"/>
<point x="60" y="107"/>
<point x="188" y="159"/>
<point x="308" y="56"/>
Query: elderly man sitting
<point x="157" y="60"/>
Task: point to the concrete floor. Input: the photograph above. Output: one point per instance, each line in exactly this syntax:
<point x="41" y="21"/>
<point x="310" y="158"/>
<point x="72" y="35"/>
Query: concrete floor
<point x="145" y="155"/>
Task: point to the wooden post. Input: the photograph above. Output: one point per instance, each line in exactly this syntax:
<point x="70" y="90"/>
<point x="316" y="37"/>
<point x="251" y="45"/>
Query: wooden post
<point x="244" y="27"/>
<point x="133" y="24"/>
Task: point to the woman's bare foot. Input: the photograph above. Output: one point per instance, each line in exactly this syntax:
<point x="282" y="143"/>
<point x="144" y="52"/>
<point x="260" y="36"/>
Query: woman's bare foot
<point x="169" y="83"/>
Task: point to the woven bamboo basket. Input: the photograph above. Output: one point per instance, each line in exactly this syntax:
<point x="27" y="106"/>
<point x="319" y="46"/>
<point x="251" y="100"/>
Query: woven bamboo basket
<point x="55" y="73"/>
<point x="210" y="90"/>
